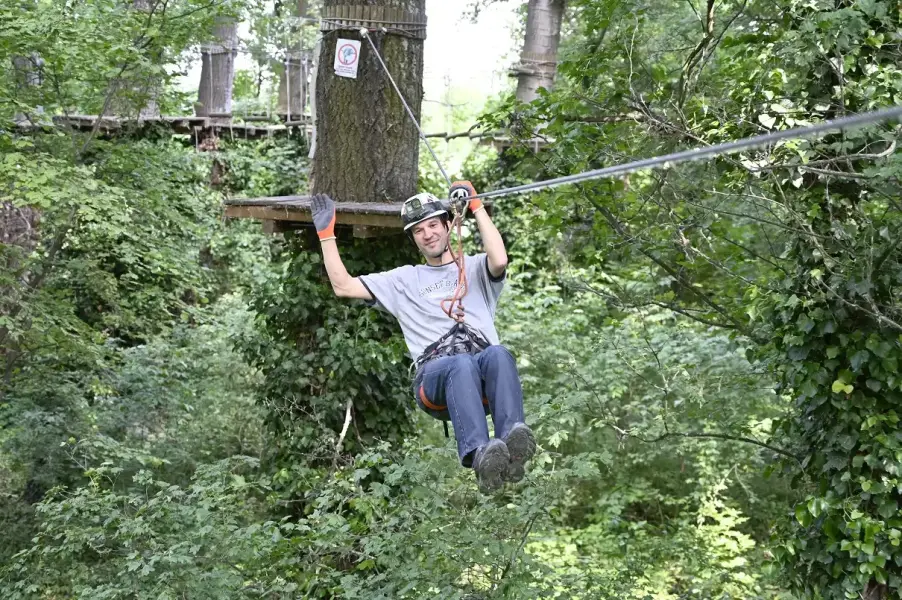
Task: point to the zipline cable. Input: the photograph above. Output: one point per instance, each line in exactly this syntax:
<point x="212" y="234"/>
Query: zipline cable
<point x="667" y="160"/>
<point x="366" y="34"/>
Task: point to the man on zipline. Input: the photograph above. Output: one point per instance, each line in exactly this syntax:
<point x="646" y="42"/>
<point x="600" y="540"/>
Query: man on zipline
<point x="462" y="371"/>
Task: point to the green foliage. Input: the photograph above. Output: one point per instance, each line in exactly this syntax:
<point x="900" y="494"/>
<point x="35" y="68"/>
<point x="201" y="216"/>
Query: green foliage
<point x="110" y="313"/>
<point x="244" y="86"/>
<point x="673" y="515"/>
<point x="269" y="167"/>
<point x="317" y="352"/>
<point x="393" y="524"/>
<point x="793" y="249"/>
<point x="154" y="540"/>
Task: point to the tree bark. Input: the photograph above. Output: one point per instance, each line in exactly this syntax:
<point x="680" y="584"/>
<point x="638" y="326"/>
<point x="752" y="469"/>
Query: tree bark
<point x="874" y="591"/>
<point x="293" y="77"/>
<point x="367" y="149"/>
<point x="28" y="75"/>
<point x="147" y="88"/>
<point x="538" y="61"/>
<point x="293" y="82"/>
<point x="214" y="93"/>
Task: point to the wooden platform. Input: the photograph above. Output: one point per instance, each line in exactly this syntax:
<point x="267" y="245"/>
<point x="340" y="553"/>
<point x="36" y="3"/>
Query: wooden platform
<point x="368" y="219"/>
<point x="225" y="128"/>
<point x="189" y="125"/>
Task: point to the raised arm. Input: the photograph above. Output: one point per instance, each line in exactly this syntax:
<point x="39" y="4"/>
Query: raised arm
<point x="496" y="255"/>
<point x="343" y="284"/>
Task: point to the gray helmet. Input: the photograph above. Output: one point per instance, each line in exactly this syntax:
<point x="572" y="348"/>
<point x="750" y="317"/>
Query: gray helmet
<point x="421" y="207"/>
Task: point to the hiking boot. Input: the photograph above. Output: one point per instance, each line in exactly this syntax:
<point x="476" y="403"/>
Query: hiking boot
<point x="490" y="464"/>
<point x="521" y="445"/>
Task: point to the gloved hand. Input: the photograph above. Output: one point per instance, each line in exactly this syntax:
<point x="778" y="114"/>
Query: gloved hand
<point x="323" y="210"/>
<point x="461" y="191"/>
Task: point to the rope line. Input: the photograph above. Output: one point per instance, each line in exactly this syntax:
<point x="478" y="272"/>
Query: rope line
<point x="460" y="290"/>
<point x="366" y="34"/>
<point x="667" y="160"/>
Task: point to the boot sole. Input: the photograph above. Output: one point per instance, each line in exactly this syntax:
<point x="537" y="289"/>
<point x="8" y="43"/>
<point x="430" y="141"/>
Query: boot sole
<point x="521" y="444"/>
<point x="492" y="468"/>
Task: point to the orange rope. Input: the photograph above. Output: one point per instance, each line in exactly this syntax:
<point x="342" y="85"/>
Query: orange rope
<point x="448" y="304"/>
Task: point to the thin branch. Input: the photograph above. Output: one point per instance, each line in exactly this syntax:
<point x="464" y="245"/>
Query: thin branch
<point x="677" y="309"/>
<point x="889" y="251"/>
<point x="188" y="13"/>
<point x="618" y="228"/>
<point x="632" y="117"/>
<point x="516" y="552"/>
<point x="747" y="250"/>
<point x="828" y="161"/>
<point x="721" y="436"/>
<point x="845" y="174"/>
<point x="688" y="314"/>
<point x="696" y="55"/>
<point x="344" y="432"/>
<point x="695" y="10"/>
<point x="723" y="32"/>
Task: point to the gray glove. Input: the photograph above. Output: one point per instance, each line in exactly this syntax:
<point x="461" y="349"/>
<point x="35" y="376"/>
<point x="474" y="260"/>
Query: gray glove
<point x="323" y="210"/>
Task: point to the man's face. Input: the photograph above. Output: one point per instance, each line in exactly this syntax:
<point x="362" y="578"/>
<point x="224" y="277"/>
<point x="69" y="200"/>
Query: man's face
<point x="431" y="237"/>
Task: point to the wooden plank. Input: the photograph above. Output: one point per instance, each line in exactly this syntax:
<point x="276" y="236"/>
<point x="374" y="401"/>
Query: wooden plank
<point x="288" y="213"/>
<point x="302" y="203"/>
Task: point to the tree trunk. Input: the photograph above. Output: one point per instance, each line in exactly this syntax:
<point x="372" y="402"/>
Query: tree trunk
<point x="538" y="61"/>
<point x="28" y="75"/>
<point x="293" y="77"/>
<point x="214" y="93"/>
<point x="367" y="149"/>
<point x="293" y="82"/>
<point x="147" y="88"/>
<point x="874" y="591"/>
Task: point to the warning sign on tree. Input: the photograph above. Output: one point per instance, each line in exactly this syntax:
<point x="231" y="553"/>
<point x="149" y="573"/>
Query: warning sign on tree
<point x="347" y="57"/>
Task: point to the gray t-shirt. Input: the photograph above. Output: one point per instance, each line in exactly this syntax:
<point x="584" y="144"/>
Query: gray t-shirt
<point x="413" y="295"/>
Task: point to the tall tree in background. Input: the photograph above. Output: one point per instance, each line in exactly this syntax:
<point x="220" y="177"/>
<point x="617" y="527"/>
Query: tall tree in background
<point x="146" y="90"/>
<point x="214" y="92"/>
<point x="293" y="76"/>
<point x="538" y="60"/>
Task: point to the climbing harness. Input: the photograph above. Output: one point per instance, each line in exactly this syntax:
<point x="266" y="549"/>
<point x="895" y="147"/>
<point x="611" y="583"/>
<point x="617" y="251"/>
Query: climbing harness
<point x="460" y="339"/>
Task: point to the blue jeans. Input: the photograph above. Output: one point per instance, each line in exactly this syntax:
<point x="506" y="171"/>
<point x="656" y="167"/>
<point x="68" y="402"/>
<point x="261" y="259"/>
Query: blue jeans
<point x="465" y="388"/>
